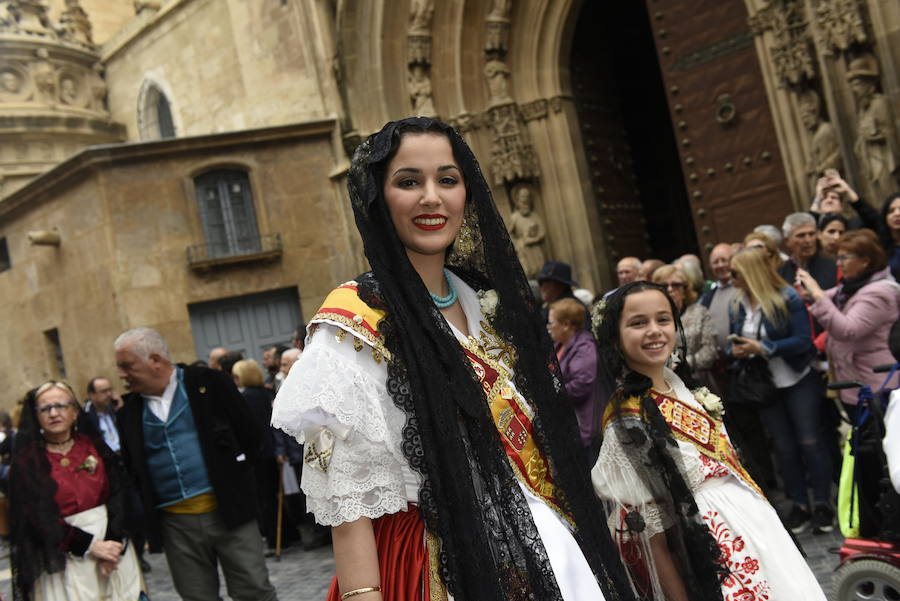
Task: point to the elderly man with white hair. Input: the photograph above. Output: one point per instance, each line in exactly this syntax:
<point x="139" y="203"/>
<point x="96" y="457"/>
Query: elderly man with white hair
<point x="800" y="240"/>
<point x="189" y="441"/>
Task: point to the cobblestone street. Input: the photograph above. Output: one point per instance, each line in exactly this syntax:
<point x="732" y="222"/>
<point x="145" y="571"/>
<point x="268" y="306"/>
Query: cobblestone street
<point x="305" y="575"/>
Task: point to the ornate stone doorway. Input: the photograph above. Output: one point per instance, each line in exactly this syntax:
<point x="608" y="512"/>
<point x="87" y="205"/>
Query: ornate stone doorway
<point x="627" y="132"/>
<point x="676" y="125"/>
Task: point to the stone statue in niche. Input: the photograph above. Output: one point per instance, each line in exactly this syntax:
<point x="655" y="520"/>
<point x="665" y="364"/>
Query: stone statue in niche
<point x="526" y="228"/>
<point x="420" y="12"/>
<point x="68" y="92"/>
<point x="875" y="141"/>
<point x="45" y="80"/>
<point x="10" y="82"/>
<point x="98" y="88"/>
<point x="500" y="9"/>
<point x="825" y="153"/>
<point x="420" y="91"/>
<point x="497" y="74"/>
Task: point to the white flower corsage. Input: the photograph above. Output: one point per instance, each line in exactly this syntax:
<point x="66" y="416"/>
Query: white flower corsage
<point x="89" y="465"/>
<point x="711" y="402"/>
<point x="597" y="316"/>
<point x="487" y="300"/>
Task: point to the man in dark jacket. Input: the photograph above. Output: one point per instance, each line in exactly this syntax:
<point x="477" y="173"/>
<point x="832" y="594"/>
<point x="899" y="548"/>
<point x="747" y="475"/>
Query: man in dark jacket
<point x="190" y="440"/>
<point x="800" y="241"/>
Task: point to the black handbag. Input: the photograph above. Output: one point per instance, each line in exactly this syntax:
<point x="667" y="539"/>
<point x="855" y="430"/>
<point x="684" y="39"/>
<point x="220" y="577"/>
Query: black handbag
<point x="751" y="381"/>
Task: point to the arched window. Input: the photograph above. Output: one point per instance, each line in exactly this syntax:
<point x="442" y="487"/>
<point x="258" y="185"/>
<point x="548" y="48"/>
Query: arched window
<point x="155" y="114"/>
<point x="164" y="117"/>
<point x="227" y="213"/>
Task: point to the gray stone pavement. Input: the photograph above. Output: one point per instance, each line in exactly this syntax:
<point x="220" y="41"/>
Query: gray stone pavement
<point x="305" y="575"/>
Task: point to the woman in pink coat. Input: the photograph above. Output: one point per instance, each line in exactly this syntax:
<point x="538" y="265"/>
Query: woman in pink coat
<point x="858" y="312"/>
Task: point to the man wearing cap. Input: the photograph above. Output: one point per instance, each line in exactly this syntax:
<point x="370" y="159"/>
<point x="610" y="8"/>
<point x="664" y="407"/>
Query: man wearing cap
<point x="555" y="282"/>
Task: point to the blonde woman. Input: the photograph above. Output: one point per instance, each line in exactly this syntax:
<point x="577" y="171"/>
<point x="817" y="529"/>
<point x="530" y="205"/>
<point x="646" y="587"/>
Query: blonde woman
<point x="699" y="332"/>
<point x="768" y="319"/>
<point x="248" y="377"/>
<point x="760" y="240"/>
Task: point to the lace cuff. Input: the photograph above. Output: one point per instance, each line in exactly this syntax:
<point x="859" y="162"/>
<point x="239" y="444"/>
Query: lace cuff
<point x="363" y="480"/>
<point x="332" y="379"/>
<point x="337" y="381"/>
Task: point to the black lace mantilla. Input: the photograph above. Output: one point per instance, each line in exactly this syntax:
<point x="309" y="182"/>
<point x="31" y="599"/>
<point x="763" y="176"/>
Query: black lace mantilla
<point x="470" y="498"/>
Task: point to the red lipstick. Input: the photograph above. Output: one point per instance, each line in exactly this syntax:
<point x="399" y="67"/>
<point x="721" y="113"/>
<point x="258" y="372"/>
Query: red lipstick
<point x="434" y="222"/>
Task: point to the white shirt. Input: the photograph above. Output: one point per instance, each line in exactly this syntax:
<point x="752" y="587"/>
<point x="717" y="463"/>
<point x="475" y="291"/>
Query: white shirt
<point x="891" y="441"/>
<point x="783" y="375"/>
<point x="108" y="429"/>
<point x="160" y="405"/>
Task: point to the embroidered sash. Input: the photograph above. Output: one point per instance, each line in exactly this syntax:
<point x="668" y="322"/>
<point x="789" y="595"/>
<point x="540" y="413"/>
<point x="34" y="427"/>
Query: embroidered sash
<point x="515" y="427"/>
<point x="694" y="426"/>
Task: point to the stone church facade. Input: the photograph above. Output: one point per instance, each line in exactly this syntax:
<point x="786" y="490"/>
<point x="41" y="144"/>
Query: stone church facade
<point x="182" y="163"/>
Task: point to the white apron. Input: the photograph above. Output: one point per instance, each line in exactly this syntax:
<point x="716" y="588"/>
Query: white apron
<point x="81" y="580"/>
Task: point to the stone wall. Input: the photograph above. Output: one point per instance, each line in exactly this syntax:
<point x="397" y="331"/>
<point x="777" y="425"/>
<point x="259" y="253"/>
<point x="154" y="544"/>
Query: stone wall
<point x="225" y="65"/>
<point x="127" y="214"/>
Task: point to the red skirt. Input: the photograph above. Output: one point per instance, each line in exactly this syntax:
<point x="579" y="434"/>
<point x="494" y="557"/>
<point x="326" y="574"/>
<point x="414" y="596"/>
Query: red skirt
<point x="402" y="557"/>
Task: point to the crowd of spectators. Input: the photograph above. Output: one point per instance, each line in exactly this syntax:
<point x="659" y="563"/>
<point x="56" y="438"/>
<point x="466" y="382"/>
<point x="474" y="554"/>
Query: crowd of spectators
<point x="186" y="463"/>
<point x="814" y="298"/>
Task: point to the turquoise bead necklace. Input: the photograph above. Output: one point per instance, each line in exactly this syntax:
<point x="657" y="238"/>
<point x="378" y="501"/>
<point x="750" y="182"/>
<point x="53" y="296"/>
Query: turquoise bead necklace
<point x="442" y="302"/>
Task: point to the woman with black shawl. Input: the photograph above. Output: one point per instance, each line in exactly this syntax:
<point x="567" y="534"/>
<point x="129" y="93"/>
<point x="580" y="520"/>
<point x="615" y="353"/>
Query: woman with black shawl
<point x="438" y="444"/>
<point x="67" y="492"/>
<point x="689" y="520"/>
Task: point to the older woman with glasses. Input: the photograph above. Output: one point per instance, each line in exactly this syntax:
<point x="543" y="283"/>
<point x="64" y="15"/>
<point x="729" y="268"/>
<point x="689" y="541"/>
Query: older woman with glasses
<point x="858" y="313"/>
<point x="68" y="538"/>
<point x="699" y="331"/>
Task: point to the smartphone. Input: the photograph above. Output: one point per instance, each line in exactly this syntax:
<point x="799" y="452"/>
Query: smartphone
<point x="735" y="339"/>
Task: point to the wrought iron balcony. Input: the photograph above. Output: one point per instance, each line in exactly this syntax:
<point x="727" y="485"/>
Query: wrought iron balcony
<point x="255" y="248"/>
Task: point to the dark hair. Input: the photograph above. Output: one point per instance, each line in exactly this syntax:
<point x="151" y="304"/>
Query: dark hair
<point x="607" y="336"/>
<point x="91" y="388"/>
<point x="199" y="363"/>
<point x="279" y="350"/>
<point x="884" y="232"/>
<point x="469" y="492"/>
<point x="650" y="445"/>
<point x="297" y="335"/>
<point x="827" y="218"/>
<point x="227" y="361"/>
<point x="864" y="244"/>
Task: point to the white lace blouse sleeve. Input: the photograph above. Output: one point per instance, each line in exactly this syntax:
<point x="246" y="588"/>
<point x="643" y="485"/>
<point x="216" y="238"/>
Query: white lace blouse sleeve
<point x="337" y="385"/>
<point x="616" y="482"/>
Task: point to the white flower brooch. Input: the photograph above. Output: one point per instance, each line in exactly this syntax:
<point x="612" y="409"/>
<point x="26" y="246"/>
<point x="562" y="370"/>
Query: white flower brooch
<point x="711" y="402"/>
<point x="487" y="300"/>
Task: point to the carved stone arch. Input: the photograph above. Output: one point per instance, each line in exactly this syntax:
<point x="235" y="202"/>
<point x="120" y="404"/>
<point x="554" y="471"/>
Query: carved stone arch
<point x="154" y="88"/>
<point x="539" y="58"/>
<point x="370" y="41"/>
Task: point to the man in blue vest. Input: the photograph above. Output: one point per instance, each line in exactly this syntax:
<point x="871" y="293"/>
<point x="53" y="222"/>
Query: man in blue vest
<point x="189" y="440"/>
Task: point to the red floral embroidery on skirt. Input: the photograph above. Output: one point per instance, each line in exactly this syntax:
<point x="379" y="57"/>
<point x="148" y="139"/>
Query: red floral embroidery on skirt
<point x="712" y="469"/>
<point x="744" y="581"/>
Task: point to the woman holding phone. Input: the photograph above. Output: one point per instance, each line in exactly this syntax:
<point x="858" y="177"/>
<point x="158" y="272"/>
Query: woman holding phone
<point x="768" y="319"/>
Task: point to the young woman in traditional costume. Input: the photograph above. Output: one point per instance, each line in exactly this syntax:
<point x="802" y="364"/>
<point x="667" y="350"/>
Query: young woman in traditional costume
<point x="689" y="520"/>
<point x="438" y="446"/>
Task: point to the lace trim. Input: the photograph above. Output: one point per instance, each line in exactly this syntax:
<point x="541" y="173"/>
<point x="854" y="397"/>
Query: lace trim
<point x="333" y="382"/>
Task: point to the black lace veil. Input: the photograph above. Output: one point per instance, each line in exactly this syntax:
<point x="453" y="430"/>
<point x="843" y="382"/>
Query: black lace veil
<point x="470" y="498"/>
<point x="653" y="452"/>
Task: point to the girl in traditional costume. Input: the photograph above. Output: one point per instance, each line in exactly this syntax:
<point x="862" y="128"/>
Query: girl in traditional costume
<point x="689" y="520"/>
<point x="438" y="446"/>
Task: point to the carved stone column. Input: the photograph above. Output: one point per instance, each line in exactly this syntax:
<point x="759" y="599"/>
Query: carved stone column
<point x="419" y="58"/>
<point x="830" y="94"/>
<point x="513" y="160"/>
